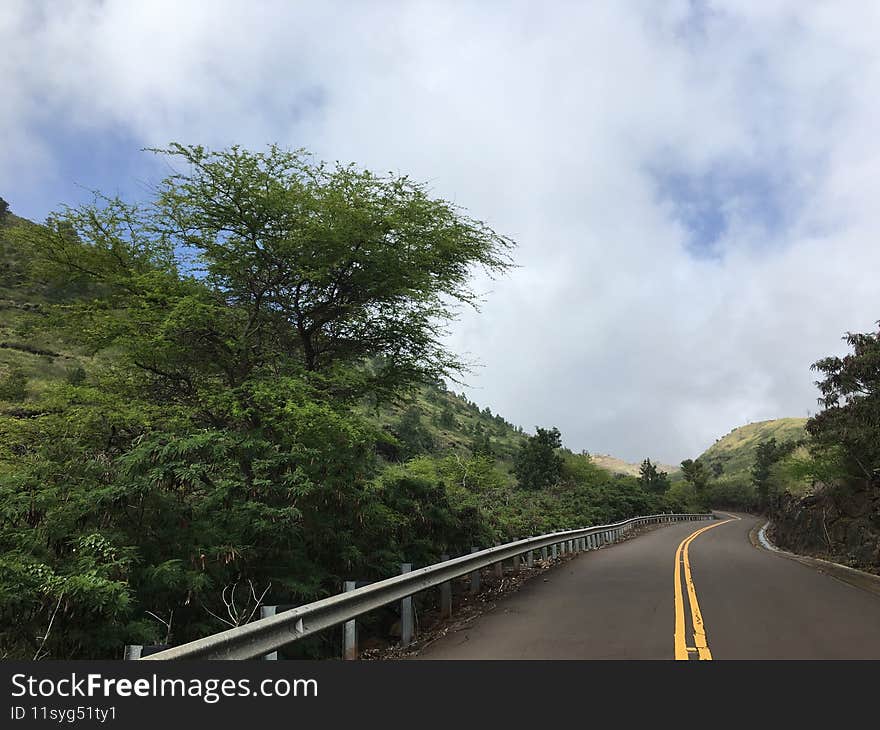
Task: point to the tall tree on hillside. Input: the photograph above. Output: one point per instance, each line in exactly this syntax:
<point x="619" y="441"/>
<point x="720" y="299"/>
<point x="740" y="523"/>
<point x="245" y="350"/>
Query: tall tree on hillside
<point x="652" y="479"/>
<point x="414" y="437"/>
<point x="4" y="209"/>
<point x="765" y="457"/>
<point x="333" y="263"/>
<point x="447" y="417"/>
<point x="847" y="428"/>
<point x="696" y="474"/>
<point x="538" y="464"/>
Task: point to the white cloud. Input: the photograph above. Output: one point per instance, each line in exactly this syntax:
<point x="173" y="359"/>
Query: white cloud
<point x="552" y="125"/>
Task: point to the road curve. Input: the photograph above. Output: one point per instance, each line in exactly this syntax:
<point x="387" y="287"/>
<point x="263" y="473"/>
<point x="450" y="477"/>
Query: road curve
<point x="636" y="600"/>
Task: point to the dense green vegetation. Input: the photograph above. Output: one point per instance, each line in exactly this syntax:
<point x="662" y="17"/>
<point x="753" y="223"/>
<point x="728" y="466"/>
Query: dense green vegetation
<point x="238" y="388"/>
<point x="837" y="450"/>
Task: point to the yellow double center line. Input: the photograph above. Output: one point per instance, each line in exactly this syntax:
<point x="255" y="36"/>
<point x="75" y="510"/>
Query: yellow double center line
<point x="683" y="562"/>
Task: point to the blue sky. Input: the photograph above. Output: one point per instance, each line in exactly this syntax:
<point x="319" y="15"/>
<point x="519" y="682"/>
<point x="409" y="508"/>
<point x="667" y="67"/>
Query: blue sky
<point x="711" y="203"/>
<point x="692" y="185"/>
<point x="85" y="161"/>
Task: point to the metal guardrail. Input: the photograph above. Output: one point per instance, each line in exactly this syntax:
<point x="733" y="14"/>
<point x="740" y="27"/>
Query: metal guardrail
<point x="268" y="634"/>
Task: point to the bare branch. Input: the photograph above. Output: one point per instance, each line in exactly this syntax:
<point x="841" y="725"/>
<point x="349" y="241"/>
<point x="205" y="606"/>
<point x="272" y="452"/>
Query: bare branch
<point x="40" y="653"/>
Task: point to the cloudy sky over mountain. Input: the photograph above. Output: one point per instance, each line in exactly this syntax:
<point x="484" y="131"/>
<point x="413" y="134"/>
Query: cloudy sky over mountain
<point x="692" y="185"/>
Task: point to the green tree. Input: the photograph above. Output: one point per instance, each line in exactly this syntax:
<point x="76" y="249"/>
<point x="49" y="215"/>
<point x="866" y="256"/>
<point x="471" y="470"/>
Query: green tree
<point x="846" y="430"/>
<point x="4" y="209"/>
<point x="696" y="474"/>
<point x="652" y="479"/>
<point x="447" y="418"/>
<point x="765" y="458"/>
<point x="414" y="437"/>
<point x="482" y="445"/>
<point x="767" y="454"/>
<point x="538" y="463"/>
<point x="332" y="264"/>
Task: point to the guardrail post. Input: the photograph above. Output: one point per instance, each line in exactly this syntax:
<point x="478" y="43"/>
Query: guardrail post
<point x="475" y="576"/>
<point x="265" y="612"/>
<point x="406" y="613"/>
<point x="349" y="630"/>
<point x="445" y="595"/>
<point x="516" y="563"/>
<point x="499" y="566"/>
<point x="554" y="551"/>
<point x="530" y="559"/>
<point x="544" y="554"/>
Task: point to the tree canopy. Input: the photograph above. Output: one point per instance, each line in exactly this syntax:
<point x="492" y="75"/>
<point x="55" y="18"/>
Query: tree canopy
<point x="538" y="463"/>
<point x="696" y="474"/>
<point x="652" y="479"/>
<point x="849" y="423"/>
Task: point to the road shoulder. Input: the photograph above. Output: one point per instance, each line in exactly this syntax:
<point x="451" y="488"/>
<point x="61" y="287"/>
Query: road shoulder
<point x="851" y="576"/>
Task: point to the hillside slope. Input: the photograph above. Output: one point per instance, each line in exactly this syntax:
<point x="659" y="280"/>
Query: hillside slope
<point x="27" y="343"/>
<point x="734" y="454"/>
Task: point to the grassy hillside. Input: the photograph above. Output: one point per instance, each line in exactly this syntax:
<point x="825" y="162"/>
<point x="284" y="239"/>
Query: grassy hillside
<point x="27" y="343"/>
<point x="735" y="452"/>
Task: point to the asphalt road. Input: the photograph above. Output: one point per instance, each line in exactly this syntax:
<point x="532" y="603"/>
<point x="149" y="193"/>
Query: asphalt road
<point x="662" y="596"/>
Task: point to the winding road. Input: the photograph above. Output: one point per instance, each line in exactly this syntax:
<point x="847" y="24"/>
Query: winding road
<point x="682" y="591"/>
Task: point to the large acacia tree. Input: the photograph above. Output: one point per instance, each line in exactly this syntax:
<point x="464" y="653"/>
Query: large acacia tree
<point x="332" y="264"/>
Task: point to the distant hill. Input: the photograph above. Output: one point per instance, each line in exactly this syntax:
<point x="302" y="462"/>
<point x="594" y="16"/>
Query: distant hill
<point x="619" y="466"/>
<point x="735" y="452"/>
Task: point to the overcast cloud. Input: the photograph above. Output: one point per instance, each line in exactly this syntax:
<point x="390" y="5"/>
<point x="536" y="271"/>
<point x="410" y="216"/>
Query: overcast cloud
<point x="692" y="185"/>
